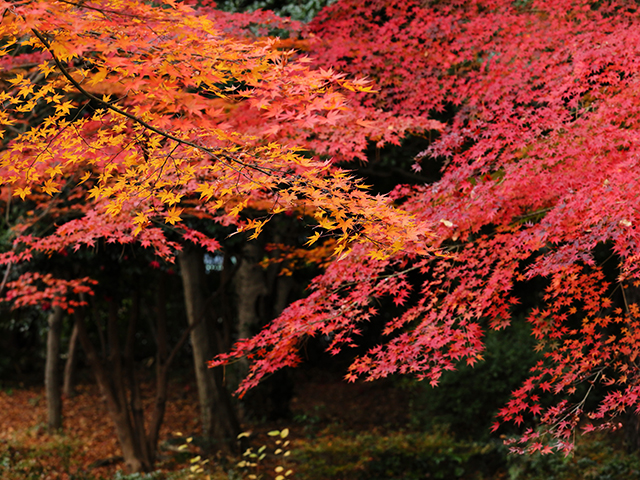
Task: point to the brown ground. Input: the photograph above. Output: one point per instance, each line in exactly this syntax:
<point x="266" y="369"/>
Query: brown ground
<point x="86" y="425"/>
<point x="318" y="400"/>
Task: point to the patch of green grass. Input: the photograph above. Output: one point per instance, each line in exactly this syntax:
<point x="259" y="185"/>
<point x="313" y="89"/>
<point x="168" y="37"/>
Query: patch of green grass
<point x="596" y="457"/>
<point x="336" y="454"/>
<point x="369" y="456"/>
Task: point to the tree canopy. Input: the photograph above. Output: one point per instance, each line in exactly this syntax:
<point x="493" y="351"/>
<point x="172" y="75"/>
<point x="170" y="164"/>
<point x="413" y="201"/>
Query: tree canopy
<point x="538" y="151"/>
<point x="123" y="119"/>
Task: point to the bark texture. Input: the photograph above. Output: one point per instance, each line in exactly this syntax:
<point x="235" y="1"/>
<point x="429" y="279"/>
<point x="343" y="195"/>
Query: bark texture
<point x="115" y="372"/>
<point x="68" y="385"/>
<point x="219" y="421"/>
<point x="52" y="371"/>
<point x="261" y="296"/>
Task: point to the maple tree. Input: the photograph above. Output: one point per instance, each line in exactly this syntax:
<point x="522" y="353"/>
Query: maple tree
<point x="123" y="119"/>
<point x="135" y="117"/>
<point x="105" y="127"/>
<point x="539" y="150"/>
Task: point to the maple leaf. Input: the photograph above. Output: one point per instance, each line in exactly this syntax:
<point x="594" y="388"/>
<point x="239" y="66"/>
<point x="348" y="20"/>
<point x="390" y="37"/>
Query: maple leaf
<point x="50" y="187"/>
<point x="64" y="108"/>
<point x="173" y="215"/>
<point x="22" y="192"/>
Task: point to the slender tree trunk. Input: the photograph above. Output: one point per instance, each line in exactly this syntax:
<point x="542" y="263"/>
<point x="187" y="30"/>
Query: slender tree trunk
<point x="135" y="402"/>
<point x="164" y="358"/>
<point x="261" y="296"/>
<point x="219" y="421"/>
<point x="250" y="286"/>
<point x="68" y="385"/>
<point x="162" y="363"/>
<point x="110" y="383"/>
<point x="52" y="370"/>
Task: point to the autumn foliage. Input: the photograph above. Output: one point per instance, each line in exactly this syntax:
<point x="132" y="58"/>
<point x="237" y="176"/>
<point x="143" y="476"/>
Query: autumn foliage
<point x="539" y="152"/>
<point x="145" y="112"/>
<point x="123" y="120"/>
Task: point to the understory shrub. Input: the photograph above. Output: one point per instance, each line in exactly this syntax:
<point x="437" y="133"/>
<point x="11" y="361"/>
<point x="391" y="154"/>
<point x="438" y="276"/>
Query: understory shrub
<point x="397" y="455"/>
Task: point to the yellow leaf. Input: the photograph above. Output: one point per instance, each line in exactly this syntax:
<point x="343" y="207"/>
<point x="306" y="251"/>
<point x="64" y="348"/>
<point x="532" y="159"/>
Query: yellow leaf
<point x="50" y="188"/>
<point x="114" y="209"/>
<point x="95" y="192"/>
<point x="137" y="230"/>
<point x="17" y="80"/>
<point x="53" y="171"/>
<point x="64" y="108"/>
<point x="84" y="178"/>
<point x="99" y="77"/>
<point x="47" y="68"/>
<point x="313" y="239"/>
<point x="173" y="216"/>
<point x="22" y="192"/>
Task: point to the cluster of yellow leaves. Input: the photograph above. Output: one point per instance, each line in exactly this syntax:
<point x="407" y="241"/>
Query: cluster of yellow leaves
<point x="126" y="98"/>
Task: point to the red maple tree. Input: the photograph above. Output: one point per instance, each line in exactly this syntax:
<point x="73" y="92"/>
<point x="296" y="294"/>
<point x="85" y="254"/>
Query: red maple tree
<point x="161" y="113"/>
<point x="539" y="154"/>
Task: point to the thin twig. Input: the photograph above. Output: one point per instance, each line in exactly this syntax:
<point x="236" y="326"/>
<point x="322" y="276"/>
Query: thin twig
<point x="6" y="277"/>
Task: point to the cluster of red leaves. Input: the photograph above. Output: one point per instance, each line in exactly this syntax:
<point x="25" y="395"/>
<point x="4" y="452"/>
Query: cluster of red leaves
<point x="35" y="289"/>
<point x="540" y="155"/>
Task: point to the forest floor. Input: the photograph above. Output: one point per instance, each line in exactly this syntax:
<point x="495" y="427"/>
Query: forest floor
<point x="337" y="431"/>
<point x="88" y="447"/>
<point x="88" y="442"/>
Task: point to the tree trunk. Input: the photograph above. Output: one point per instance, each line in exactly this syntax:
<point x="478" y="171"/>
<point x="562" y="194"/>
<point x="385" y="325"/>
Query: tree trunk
<point x="68" y="385"/>
<point x="163" y="359"/>
<point x="52" y="371"/>
<point x="116" y="377"/>
<point x="110" y="382"/>
<point x="219" y="422"/>
<point x="261" y="295"/>
<point x="250" y="286"/>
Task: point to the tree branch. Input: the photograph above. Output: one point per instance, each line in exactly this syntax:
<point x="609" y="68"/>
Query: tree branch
<point x="215" y="155"/>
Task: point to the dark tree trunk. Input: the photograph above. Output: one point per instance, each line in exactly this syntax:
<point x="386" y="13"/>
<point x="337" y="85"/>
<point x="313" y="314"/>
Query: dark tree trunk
<point x="68" y="385"/>
<point x="261" y="296"/>
<point x="219" y="422"/>
<point x="251" y="286"/>
<point x="109" y="376"/>
<point x="116" y="377"/>
<point x="52" y="371"/>
<point x="163" y="360"/>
